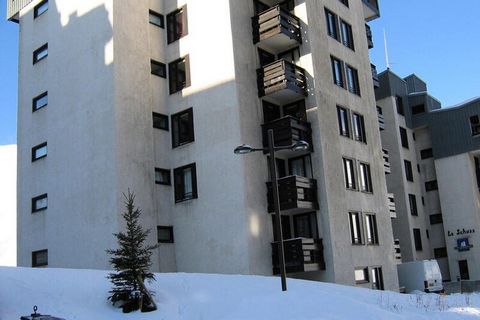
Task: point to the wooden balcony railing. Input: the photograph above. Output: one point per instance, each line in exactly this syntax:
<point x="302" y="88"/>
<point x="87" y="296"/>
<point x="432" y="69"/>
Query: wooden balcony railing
<point x="301" y="255"/>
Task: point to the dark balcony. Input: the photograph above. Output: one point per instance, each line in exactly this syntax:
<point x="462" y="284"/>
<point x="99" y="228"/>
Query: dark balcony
<point x="287" y="131"/>
<point x="397" y="251"/>
<point x="297" y="195"/>
<point x="301" y="255"/>
<point x="381" y="118"/>
<point x="277" y="29"/>
<point x="371" y="10"/>
<point x="369" y="36"/>
<point x="391" y="205"/>
<point x="386" y="161"/>
<point x="376" y="81"/>
<point x="282" y="82"/>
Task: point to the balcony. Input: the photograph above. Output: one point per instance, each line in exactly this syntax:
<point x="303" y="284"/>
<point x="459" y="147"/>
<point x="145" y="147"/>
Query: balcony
<point x="277" y="29"/>
<point x="386" y="161"/>
<point x="397" y="251"/>
<point x="376" y="80"/>
<point x="287" y="131"/>
<point x="369" y="36"/>
<point x="391" y="206"/>
<point x="371" y="10"/>
<point x="301" y="255"/>
<point x="297" y="195"/>
<point x="282" y="82"/>
<point x="381" y="118"/>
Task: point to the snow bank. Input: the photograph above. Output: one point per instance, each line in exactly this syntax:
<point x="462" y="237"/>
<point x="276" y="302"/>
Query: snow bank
<point x="8" y="198"/>
<point x="81" y="294"/>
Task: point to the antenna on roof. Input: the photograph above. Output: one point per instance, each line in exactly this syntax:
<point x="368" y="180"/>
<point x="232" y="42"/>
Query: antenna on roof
<point x="386" y="48"/>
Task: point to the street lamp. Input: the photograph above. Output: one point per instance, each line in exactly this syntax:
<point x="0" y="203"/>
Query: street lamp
<point x="298" y="146"/>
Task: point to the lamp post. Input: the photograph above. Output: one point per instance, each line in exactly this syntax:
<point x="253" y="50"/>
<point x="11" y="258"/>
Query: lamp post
<point x="299" y="146"/>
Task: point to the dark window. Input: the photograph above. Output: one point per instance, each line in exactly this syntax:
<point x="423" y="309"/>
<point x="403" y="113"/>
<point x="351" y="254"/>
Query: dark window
<point x="426" y="153"/>
<point x="349" y="168"/>
<point x="296" y="109"/>
<point x="412" y="199"/>
<point x="177" y="25"/>
<point x="160" y="121"/>
<point x="352" y="80"/>
<point x="40" y="54"/>
<point x="423" y="201"/>
<point x="404" y="137"/>
<point x="345" y="2"/>
<point x="359" y="128"/>
<point x="265" y="57"/>
<point x="156" y="18"/>
<point x="420" y="108"/>
<point x="286" y="228"/>
<point x="413" y="136"/>
<point x="343" y="122"/>
<point x="436" y="218"/>
<point x="355" y="227"/>
<point x="40" y="8"/>
<point x="39" y="203"/>
<point x="182" y="128"/>
<point x="408" y="170"/>
<point x="185" y="179"/>
<point x="399" y="104"/>
<point x="40" y="258"/>
<point x="281" y="168"/>
<point x="291" y="55"/>
<point x="337" y="70"/>
<point x="162" y="176"/>
<point x="475" y="125"/>
<point x="270" y="111"/>
<point x="418" y="239"/>
<point x="377" y="278"/>
<point x="347" y="34"/>
<point x="39" y="151"/>
<point x="365" y="178"/>
<point x="418" y="168"/>
<point x="40" y="101"/>
<point x="440" y="253"/>
<point x="300" y="166"/>
<point x="371" y="226"/>
<point x="477" y="170"/>
<point x="428" y="234"/>
<point x="332" y="24"/>
<point x="463" y="268"/>
<point x="178" y="74"/>
<point x="305" y="225"/>
<point x="431" y="185"/>
<point x="361" y="275"/>
<point x="158" y="69"/>
<point x="165" y="234"/>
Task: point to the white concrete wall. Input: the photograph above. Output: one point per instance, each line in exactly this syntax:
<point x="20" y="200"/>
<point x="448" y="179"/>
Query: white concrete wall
<point x="8" y="192"/>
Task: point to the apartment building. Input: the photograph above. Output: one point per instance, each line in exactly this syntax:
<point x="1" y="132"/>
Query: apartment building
<point x="434" y="156"/>
<point x="153" y="96"/>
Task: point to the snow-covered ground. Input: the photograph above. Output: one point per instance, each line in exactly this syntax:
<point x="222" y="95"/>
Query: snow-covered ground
<point x="81" y="294"/>
<point x="8" y="198"/>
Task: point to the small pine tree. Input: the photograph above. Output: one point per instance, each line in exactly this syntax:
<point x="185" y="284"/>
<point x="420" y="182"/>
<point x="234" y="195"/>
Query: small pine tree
<point x="131" y="262"/>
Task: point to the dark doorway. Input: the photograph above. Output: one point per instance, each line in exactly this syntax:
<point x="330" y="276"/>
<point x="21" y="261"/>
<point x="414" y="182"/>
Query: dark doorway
<point x="463" y="267"/>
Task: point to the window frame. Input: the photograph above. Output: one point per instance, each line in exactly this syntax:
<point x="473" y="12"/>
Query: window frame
<point x="408" y="170"/>
<point x="371" y="229"/>
<point x="160" y="116"/>
<point x="170" y="239"/>
<point x="426" y="153"/>
<point x="404" y="137"/>
<point x="366" y="275"/>
<point x="431" y="185"/>
<point x="399" y="105"/>
<point x="417" y="239"/>
<point x="179" y="179"/>
<point x="36" y="209"/>
<point x="412" y="200"/>
<point x="365" y="175"/>
<point x="37" y="10"/>
<point x="359" y="132"/>
<point x="349" y="185"/>
<point x="378" y="274"/>
<point x="353" y="83"/>
<point x="190" y="136"/>
<point x="356" y="227"/>
<point x="35" y="254"/>
<point x="160" y="17"/>
<point x="440" y="253"/>
<point x="37" y="52"/>
<point x="172" y="21"/>
<point x="346" y="33"/>
<point x="158" y="69"/>
<point x="343" y="122"/>
<point x="38" y="98"/>
<point x="162" y="171"/>
<point x="174" y="83"/>
<point x="38" y="147"/>
<point x="418" y="109"/>
<point x="334" y="63"/>
<point x="332" y="24"/>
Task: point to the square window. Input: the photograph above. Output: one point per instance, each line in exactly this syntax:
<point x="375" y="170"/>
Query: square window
<point x="158" y="69"/>
<point x="156" y="19"/>
<point x="40" y="258"/>
<point x="420" y="108"/>
<point x="177" y="24"/>
<point x="182" y="128"/>
<point x="436" y="218"/>
<point x="347" y="34"/>
<point x="160" y="121"/>
<point x="359" y="128"/>
<point x="412" y="199"/>
<point x="372" y="231"/>
<point x="162" y="176"/>
<point x="165" y="234"/>
<point x="39" y="203"/>
<point x="408" y="170"/>
<point x="404" y="137"/>
<point x="355" y="227"/>
<point x="40" y="101"/>
<point x="365" y="178"/>
<point x="352" y="80"/>
<point x="332" y="24"/>
<point x="178" y="74"/>
<point x="185" y="180"/>
<point x="440" y="253"/>
<point x="40" y="54"/>
<point x="343" y="121"/>
<point x="40" y="8"/>
<point x="349" y="170"/>
<point x="337" y="71"/>
<point x="431" y="185"/>
<point x="39" y="151"/>
<point x="361" y="275"/>
<point x="426" y="153"/>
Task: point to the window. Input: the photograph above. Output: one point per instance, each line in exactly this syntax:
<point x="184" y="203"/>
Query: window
<point x="404" y="137"/>
<point x="160" y="121"/>
<point x="361" y="275"/>
<point x="39" y="203"/>
<point x="337" y="70"/>
<point x="365" y="178"/>
<point x="413" y="204"/>
<point x="436" y="218"/>
<point x="40" y="8"/>
<point x="355" y="227"/>
<point x="399" y="104"/>
<point x="40" y="54"/>
<point x="158" y="69"/>
<point x="352" y="80"/>
<point x="475" y="125"/>
<point x="426" y="153"/>
<point x="300" y="166"/>
<point x="178" y="74"/>
<point x="39" y="151"/>
<point x="291" y="55"/>
<point x="420" y="108"/>
<point x="377" y="278"/>
<point x="177" y="25"/>
<point x="332" y="26"/>
<point x="418" y="239"/>
<point x="40" y="101"/>
<point x="343" y="122"/>
<point x="423" y="201"/>
<point x="185" y="179"/>
<point x="165" y="234"/>
<point x="347" y="34"/>
<point x="349" y="168"/>
<point x="305" y="225"/>
<point x="40" y="258"/>
<point x="182" y="128"/>
<point x="408" y="170"/>
<point x="156" y="19"/>
<point x="371" y="226"/>
<point x="431" y="185"/>
<point x="345" y="2"/>
<point x="440" y="253"/>
<point x="162" y="176"/>
<point x="359" y="128"/>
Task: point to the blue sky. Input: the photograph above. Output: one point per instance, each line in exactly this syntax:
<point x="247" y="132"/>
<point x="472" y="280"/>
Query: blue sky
<point x="435" y="39"/>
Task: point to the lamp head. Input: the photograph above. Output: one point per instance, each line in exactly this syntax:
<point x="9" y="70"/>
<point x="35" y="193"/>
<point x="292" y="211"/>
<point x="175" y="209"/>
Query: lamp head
<point x="300" y="146"/>
<point x="243" y="149"/>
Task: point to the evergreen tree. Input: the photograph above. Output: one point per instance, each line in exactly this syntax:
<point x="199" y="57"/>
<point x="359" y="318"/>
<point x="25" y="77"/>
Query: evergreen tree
<point x="131" y="262"/>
